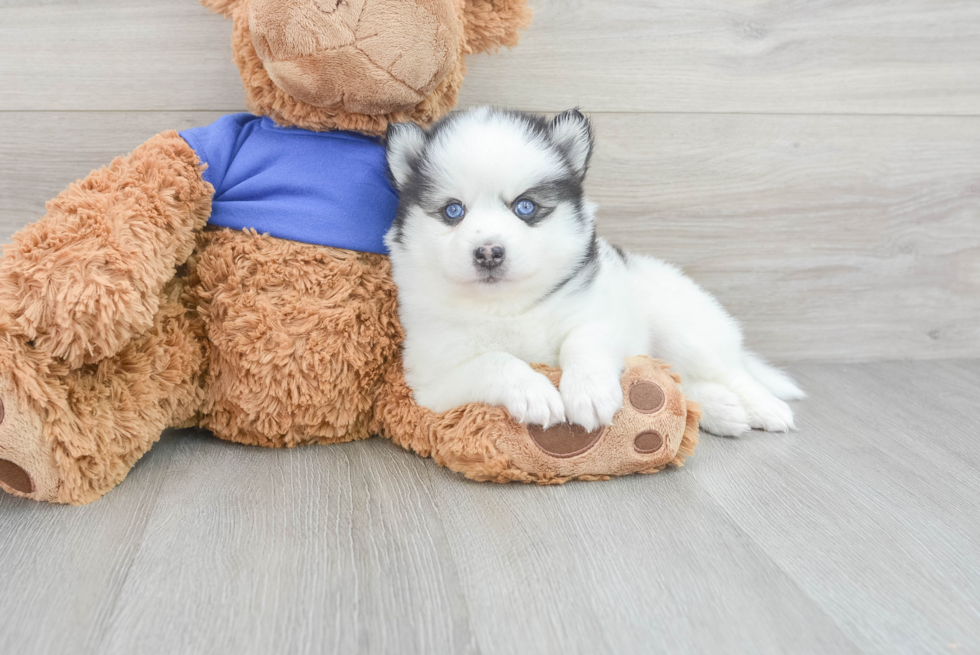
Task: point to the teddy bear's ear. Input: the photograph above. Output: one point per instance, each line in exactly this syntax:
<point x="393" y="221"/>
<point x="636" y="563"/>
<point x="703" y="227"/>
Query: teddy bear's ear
<point x="489" y="24"/>
<point x="225" y="7"/>
<point x="404" y="143"/>
<point x="572" y="132"/>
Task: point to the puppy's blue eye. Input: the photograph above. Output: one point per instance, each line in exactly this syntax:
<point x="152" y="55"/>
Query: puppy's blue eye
<point x="454" y="211"/>
<point x="524" y="208"/>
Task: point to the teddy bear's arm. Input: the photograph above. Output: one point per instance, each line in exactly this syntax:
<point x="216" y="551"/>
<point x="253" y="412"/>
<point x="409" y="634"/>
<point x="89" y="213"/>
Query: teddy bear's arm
<point x="86" y="278"/>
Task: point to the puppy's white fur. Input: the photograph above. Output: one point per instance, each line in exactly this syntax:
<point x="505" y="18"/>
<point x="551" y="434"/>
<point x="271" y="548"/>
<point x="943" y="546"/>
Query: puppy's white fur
<point x="562" y="296"/>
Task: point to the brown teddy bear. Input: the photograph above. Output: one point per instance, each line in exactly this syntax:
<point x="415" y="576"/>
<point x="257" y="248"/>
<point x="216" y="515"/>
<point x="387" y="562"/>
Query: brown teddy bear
<point x="139" y="302"/>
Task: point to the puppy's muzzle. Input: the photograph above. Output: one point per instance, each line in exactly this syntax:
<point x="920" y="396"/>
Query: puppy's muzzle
<point x="489" y="257"/>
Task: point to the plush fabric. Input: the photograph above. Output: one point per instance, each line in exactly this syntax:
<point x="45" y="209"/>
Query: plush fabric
<point x="483" y="444"/>
<point x="281" y="62"/>
<point x="123" y="313"/>
<point x="300" y="338"/>
<point x="87" y="278"/>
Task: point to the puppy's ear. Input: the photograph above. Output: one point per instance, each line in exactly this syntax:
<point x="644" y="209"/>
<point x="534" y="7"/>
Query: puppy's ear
<point x="571" y="131"/>
<point x="405" y="142"/>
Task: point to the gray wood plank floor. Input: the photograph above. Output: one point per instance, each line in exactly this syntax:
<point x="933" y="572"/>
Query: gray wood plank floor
<point x="858" y="533"/>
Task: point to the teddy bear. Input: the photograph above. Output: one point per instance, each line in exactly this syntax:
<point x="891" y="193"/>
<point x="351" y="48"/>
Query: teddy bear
<point x="233" y="276"/>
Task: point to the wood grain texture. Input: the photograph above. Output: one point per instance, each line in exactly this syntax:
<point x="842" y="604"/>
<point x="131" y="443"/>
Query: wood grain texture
<point x="43" y="152"/>
<point x="858" y="533"/>
<point x="826" y="56"/>
<point x="872" y="507"/>
<point x="63" y="567"/>
<point x="115" y="54"/>
<point x="830" y="237"/>
<point x="641" y="565"/>
<point x="831" y="234"/>
<point x="313" y="550"/>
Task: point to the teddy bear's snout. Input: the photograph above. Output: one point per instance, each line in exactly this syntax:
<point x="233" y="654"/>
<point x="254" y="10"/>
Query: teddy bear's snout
<point x="365" y="56"/>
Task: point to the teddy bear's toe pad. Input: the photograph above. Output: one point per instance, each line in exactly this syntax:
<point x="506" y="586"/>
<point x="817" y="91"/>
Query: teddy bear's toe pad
<point x="648" y="441"/>
<point x="27" y="464"/>
<point x="645" y="436"/>
<point x="563" y="440"/>
<point x="15" y="477"/>
<point x="646" y="397"/>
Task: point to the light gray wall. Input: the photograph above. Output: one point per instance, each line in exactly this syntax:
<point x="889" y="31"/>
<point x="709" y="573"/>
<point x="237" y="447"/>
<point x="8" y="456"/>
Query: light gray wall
<point x="816" y="165"/>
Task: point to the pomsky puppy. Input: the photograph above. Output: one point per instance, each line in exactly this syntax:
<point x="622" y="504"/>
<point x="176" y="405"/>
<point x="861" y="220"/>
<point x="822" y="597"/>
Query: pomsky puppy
<point x="495" y="255"/>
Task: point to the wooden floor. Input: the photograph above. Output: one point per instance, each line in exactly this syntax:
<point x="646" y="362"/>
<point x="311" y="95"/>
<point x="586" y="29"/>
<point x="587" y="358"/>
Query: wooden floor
<point x="858" y="533"/>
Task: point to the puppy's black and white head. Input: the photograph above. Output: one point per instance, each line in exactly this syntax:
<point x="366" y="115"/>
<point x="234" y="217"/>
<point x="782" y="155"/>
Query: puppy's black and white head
<point x="491" y="204"/>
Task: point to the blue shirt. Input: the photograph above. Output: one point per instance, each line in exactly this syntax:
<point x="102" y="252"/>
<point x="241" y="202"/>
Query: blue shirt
<point x="325" y="188"/>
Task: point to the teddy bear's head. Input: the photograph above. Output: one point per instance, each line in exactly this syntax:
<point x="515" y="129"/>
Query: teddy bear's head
<point x="361" y="64"/>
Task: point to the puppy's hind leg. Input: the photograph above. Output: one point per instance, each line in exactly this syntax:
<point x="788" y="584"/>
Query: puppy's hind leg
<point x="765" y="410"/>
<point x="781" y="385"/>
<point x="690" y="329"/>
<point x="738" y="405"/>
<point x="722" y="411"/>
<point x="732" y="399"/>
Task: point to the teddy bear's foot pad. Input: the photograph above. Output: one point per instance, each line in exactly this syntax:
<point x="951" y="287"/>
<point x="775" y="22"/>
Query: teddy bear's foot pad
<point x="655" y="427"/>
<point x="564" y="440"/>
<point x="27" y="464"/>
<point x="15" y="477"/>
<point x="646" y="397"/>
<point x="649" y="441"/>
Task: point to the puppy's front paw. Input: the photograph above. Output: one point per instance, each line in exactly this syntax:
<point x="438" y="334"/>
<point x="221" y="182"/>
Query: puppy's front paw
<point x="536" y="401"/>
<point x="591" y="399"/>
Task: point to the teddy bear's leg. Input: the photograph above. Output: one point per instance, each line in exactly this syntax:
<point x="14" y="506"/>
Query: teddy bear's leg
<point x="300" y="337"/>
<point x="69" y="435"/>
<point x="86" y="278"/>
<point x="656" y="427"/>
<point x="463" y="439"/>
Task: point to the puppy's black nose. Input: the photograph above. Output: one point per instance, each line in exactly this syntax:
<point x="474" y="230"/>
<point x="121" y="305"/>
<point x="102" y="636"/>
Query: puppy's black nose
<point x="489" y="256"/>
